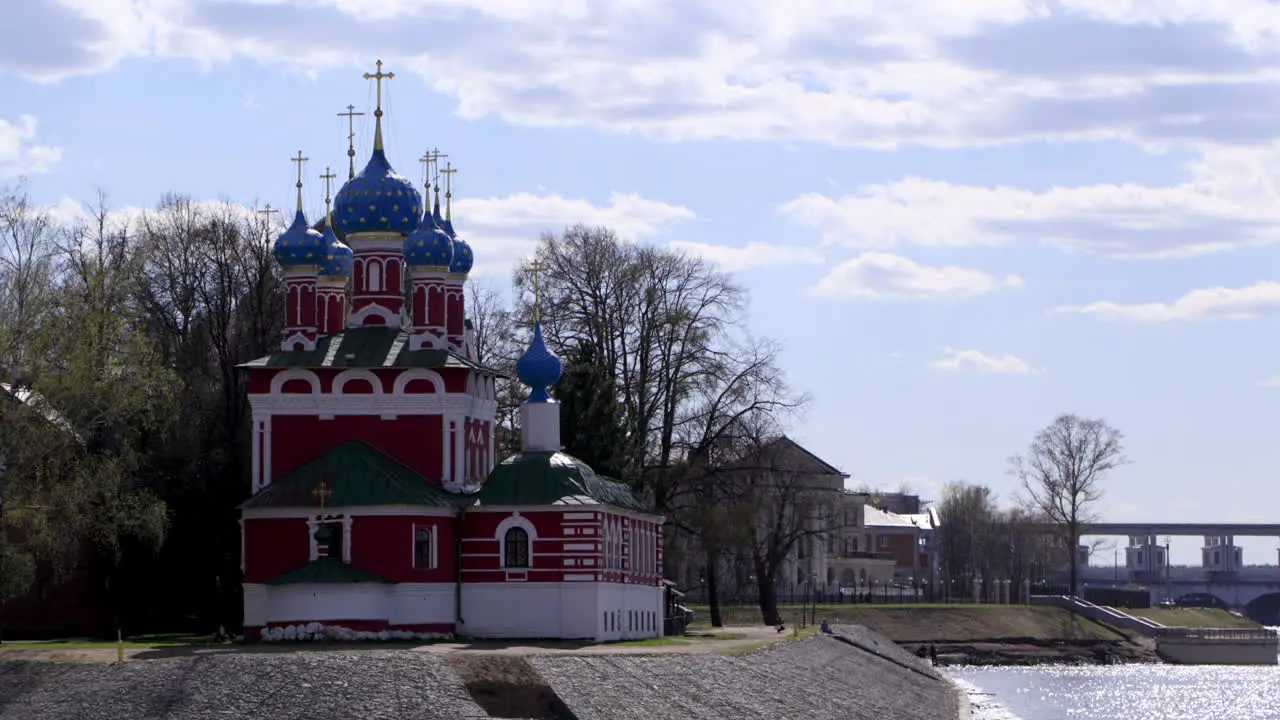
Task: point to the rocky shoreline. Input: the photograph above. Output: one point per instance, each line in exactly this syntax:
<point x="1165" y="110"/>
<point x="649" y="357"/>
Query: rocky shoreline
<point x="1016" y="652"/>
<point x="851" y="674"/>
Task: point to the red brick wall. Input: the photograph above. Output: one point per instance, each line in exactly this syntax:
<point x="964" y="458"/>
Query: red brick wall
<point x="274" y="546"/>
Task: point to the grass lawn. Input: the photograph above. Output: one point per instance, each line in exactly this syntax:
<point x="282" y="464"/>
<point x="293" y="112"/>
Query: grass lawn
<point x="1194" y="617"/>
<point x="691" y="638"/>
<point x="938" y="622"/>
<point x="139" y="642"/>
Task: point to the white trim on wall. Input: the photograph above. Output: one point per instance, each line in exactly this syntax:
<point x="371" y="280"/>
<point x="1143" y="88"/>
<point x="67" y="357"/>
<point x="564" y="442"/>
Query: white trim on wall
<point x="366" y="404"/>
<point x="408" y="376"/>
<point x="279" y="379"/>
<point x="362" y="511"/>
<point x="434" y="530"/>
<point x="307" y="342"/>
<point x="341" y="379"/>
<point x="357" y="318"/>
<point x="314" y="523"/>
<point x="513" y="521"/>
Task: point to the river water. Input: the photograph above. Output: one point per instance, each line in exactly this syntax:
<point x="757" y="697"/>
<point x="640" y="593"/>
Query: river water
<point x="1123" y="692"/>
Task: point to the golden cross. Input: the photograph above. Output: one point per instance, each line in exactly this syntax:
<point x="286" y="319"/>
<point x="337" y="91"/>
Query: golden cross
<point x="448" y="172"/>
<point x="328" y="177"/>
<point x="300" y="160"/>
<point x="323" y="491"/>
<point x="267" y="211"/>
<point x="426" y="161"/>
<point x="351" y="116"/>
<point x="377" y="113"/>
<point x="536" y="267"/>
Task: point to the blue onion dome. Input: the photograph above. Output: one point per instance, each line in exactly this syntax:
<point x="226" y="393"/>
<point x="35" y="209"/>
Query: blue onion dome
<point x="337" y="256"/>
<point x="428" y="246"/>
<point x="377" y="200"/>
<point x="299" y="245"/>
<point x="539" y="368"/>
<point x="462" y="258"/>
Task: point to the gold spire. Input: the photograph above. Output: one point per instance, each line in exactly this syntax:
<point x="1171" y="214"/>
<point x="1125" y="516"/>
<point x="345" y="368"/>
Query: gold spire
<point x="448" y="172"/>
<point x="426" y="161"/>
<point x="377" y="113"/>
<point x="351" y="116"/>
<point x="436" y="157"/>
<point x="328" y="177"/>
<point x="537" y="267"/>
<point x="300" y="160"/>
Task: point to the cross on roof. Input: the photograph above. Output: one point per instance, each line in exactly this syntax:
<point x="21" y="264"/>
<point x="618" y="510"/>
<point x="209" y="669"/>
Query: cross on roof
<point x="536" y="267"/>
<point x="324" y="490"/>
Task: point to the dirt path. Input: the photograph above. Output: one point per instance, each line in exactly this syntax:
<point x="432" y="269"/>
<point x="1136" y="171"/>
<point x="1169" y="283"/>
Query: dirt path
<point x="745" y="638"/>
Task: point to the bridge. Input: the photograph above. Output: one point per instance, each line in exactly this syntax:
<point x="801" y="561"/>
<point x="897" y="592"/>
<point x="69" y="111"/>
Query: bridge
<point x="1135" y="529"/>
<point x="1222" y="578"/>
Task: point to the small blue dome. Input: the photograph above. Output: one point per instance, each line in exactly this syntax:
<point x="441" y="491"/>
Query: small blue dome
<point x="299" y="245"/>
<point x="428" y="246"/>
<point x="337" y="256"/>
<point x="462" y="257"/>
<point x="539" y="368"/>
<point x="377" y="200"/>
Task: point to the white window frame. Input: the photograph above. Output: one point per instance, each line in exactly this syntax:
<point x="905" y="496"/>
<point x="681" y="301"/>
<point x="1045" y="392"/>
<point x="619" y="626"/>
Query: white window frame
<point x="515" y="520"/>
<point x="434" y="529"/>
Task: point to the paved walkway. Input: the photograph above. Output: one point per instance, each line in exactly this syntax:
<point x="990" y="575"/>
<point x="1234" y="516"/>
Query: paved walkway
<point x="744" y="638"/>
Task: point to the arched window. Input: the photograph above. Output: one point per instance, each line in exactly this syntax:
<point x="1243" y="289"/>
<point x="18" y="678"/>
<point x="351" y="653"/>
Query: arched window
<point x="422" y="557"/>
<point x="373" y="282"/>
<point x="515" y="548"/>
<point x="846" y="577"/>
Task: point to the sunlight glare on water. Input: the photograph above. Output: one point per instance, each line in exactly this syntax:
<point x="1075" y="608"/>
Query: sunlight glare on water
<point x="1123" y="692"/>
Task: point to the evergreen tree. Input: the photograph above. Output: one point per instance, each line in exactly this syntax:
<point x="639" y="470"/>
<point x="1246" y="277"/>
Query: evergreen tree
<point x="590" y="417"/>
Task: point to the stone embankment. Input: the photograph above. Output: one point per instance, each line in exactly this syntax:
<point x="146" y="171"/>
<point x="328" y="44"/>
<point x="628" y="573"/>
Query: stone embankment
<point x="852" y="674"/>
<point x="1002" y="634"/>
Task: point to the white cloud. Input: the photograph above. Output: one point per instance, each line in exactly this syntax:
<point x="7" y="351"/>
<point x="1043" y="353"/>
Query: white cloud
<point x="752" y="255"/>
<point x="883" y="275"/>
<point x="502" y="230"/>
<point x="872" y="72"/>
<point x="1255" y="300"/>
<point x="1231" y="199"/>
<point x="629" y="215"/>
<point x="1271" y="382"/>
<point x="976" y="361"/>
<point x="19" y="155"/>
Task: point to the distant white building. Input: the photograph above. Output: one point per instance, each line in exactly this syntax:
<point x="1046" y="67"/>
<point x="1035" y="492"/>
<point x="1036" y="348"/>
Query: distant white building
<point x="857" y="548"/>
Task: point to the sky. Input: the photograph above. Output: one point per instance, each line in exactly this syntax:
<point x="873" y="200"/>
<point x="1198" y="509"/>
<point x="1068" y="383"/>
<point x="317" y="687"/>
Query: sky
<point x="959" y="217"/>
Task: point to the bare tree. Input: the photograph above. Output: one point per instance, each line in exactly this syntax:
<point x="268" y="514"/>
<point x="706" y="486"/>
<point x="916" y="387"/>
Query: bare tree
<point x="669" y="328"/>
<point x="28" y="246"/>
<point x="498" y="348"/>
<point x="1062" y="474"/>
<point x="788" y="511"/>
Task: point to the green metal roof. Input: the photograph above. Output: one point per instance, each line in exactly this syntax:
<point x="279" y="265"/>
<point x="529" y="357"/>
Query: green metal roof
<point x="553" y="479"/>
<point x="326" y="570"/>
<point x="357" y="474"/>
<point x="365" y="347"/>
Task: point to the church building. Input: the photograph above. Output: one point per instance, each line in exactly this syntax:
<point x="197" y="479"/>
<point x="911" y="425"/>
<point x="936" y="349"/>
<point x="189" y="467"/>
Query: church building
<point x="379" y="508"/>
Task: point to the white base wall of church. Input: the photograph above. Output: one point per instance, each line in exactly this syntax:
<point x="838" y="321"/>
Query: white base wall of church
<point x="422" y="604"/>
<point x="629" y="612"/>
<point x="400" y="604"/>
<point x="574" y="610"/>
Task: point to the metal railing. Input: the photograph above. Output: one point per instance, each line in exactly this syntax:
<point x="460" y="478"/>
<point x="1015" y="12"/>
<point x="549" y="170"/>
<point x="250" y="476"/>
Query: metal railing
<point x="1187" y="633"/>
